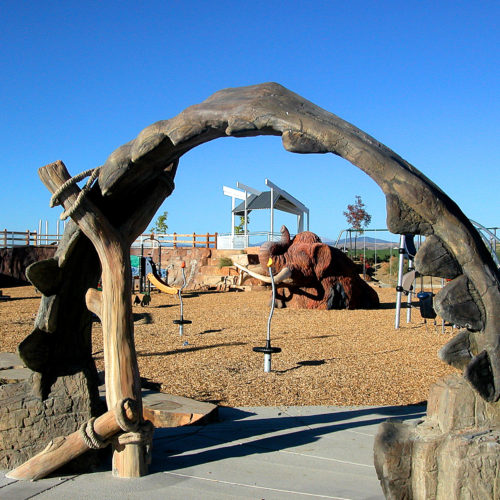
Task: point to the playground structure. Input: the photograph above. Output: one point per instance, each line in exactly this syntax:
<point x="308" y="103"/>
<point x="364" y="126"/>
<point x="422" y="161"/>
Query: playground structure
<point x="181" y="321"/>
<point x="406" y="285"/>
<point x="253" y="199"/>
<point x="313" y="275"/>
<point x="268" y="349"/>
<point x="146" y="167"/>
<point x="150" y="274"/>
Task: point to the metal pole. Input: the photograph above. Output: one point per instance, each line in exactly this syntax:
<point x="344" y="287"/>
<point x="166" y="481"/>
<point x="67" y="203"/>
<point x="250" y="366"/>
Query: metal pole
<point x="246" y="215"/>
<point x="267" y="355"/>
<point x="272" y="213"/>
<point x="399" y="288"/>
<point x="408" y="310"/>
<point x="232" y="221"/>
<point x="181" y="323"/>
<point x="364" y="256"/>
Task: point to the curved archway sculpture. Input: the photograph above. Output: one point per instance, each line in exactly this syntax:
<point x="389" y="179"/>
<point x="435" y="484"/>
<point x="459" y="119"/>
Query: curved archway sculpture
<point x="414" y="203"/>
<point x="139" y="175"/>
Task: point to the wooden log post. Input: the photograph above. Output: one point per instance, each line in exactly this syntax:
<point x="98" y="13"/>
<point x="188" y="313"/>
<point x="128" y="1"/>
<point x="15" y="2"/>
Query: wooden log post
<point x="65" y="448"/>
<point x="113" y="306"/>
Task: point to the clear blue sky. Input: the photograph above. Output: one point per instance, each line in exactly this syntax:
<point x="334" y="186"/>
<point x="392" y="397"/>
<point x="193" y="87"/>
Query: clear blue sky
<point x="79" y="79"/>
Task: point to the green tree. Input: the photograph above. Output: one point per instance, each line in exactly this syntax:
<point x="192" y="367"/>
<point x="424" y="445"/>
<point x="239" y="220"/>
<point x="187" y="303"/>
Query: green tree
<point x="160" y="225"/>
<point x="357" y="218"/>
<point x="240" y="229"/>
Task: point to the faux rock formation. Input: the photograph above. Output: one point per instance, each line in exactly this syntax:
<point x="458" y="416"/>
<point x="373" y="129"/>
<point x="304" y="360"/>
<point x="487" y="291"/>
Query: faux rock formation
<point x="320" y="276"/>
<point x="453" y="454"/>
<point x="138" y="176"/>
<point x="28" y="423"/>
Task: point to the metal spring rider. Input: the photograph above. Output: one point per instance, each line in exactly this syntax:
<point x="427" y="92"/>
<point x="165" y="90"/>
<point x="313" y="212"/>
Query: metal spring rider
<point x="267" y="349"/>
<point x="181" y="322"/>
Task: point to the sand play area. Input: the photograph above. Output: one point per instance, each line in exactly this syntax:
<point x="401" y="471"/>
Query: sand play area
<point x="328" y="357"/>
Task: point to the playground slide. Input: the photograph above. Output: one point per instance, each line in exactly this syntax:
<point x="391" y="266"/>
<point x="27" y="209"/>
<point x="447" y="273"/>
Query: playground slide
<point x="158" y="283"/>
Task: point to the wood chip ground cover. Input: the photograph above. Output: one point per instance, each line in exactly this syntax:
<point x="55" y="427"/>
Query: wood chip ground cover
<point x="327" y="358"/>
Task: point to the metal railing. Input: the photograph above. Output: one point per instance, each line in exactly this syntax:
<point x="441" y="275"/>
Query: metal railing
<point x="230" y="241"/>
<point x="174" y="240"/>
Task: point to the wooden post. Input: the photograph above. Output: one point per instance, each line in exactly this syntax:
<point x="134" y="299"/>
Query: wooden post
<point x="114" y="309"/>
<point x="63" y="449"/>
<point x="5" y="238"/>
<point x="175" y="240"/>
<point x="194" y="240"/>
<point x="208" y="241"/>
<point x="27" y="237"/>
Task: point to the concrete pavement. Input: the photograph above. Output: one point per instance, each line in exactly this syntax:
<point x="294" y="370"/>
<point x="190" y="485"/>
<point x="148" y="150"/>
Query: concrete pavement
<point x="272" y="453"/>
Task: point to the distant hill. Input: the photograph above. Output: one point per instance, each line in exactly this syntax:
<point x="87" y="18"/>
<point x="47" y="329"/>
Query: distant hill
<point x="370" y="242"/>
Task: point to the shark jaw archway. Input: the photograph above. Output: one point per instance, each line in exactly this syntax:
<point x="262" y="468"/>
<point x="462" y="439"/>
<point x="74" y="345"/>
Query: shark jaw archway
<point x="139" y="175"/>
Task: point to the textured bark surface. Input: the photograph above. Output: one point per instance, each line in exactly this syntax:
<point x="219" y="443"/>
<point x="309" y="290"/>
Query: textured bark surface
<point x="433" y="259"/>
<point x="455" y="303"/>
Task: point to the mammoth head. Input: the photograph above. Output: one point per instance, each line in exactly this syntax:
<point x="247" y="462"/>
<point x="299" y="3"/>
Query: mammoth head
<point x="294" y="254"/>
<point x="306" y="257"/>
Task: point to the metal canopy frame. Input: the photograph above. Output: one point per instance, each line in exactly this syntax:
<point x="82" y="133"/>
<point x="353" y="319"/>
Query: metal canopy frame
<point x="275" y="199"/>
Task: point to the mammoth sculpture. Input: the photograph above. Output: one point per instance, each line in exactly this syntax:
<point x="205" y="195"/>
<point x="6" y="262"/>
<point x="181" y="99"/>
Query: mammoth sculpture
<point x="122" y="197"/>
<point x="313" y="275"/>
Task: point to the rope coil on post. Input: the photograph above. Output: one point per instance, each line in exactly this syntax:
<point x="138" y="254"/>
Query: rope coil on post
<point x="54" y="200"/>
<point x="125" y="424"/>
<point x="94" y="442"/>
<point x="89" y="436"/>
<point x="134" y="432"/>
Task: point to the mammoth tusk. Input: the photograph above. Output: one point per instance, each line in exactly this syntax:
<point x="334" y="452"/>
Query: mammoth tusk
<point x="283" y="275"/>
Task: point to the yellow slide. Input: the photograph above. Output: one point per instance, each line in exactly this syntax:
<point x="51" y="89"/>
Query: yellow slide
<point x="158" y="283"/>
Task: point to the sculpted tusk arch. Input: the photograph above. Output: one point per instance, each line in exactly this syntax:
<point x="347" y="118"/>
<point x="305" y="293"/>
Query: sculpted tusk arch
<point x="136" y="179"/>
<point x="414" y="203"/>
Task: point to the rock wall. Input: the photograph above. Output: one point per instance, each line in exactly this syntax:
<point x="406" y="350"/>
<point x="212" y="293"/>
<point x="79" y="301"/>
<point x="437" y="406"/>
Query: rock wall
<point x="14" y="261"/>
<point x="28" y="423"/>
<point x="200" y="262"/>
<point x="454" y="453"/>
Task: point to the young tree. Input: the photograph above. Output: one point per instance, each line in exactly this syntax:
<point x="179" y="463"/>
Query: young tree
<point x="160" y="225"/>
<point x="241" y="227"/>
<point x="357" y="218"/>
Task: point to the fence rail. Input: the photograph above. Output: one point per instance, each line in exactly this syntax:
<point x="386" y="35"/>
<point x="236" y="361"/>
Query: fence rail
<point x="175" y="240"/>
<point x="9" y="239"/>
